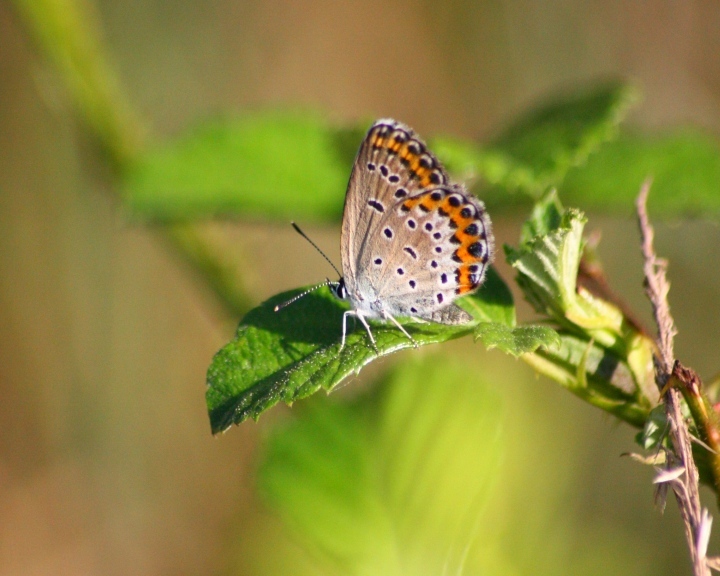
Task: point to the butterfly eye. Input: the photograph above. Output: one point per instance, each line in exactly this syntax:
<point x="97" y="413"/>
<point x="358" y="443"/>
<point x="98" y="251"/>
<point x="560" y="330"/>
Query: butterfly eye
<point x="339" y="290"/>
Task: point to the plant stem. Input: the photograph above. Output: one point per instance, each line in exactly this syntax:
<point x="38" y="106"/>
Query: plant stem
<point x="686" y="486"/>
<point x="68" y="33"/>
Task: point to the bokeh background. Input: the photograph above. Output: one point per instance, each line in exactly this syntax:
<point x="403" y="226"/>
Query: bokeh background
<point x="107" y="464"/>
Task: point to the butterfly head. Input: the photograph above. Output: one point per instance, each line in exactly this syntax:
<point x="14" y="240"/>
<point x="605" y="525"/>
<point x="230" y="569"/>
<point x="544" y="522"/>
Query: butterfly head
<point x="338" y="289"/>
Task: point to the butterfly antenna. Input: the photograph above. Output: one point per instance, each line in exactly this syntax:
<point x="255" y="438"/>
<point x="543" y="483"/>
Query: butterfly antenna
<point x="305" y="293"/>
<point x="297" y="229"/>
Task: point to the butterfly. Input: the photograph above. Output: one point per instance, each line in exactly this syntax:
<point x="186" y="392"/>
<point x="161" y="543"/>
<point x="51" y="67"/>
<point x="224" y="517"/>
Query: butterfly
<point x="412" y="241"/>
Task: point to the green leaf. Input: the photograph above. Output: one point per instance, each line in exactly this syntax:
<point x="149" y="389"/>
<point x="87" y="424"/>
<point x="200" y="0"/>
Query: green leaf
<point x="493" y="305"/>
<point x="493" y="302"/>
<point x="516" y="341"/>
<point x="393" y="482"/>
<point x="275" y="165"/>
<point x="545" y="218"/>
<point x="543" y="145"/>
<point x="684" y="166"/>
<point x="537" y="151"/>
<point x="598" y="355"/>
<point x="292" y="353"/>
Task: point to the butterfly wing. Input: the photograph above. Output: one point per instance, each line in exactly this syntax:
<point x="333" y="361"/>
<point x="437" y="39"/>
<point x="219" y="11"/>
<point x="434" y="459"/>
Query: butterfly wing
<point x="392" y="164"/>
<point x="441" y="252"/>
<point x="411" y="242"/>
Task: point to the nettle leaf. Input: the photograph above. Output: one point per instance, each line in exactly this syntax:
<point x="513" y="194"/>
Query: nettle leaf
<point x="282" y="164"/>
<point x="393" y="482"/>
<point x="493" y="302"/>
<point x="684" y="166"/>
<point x="293" y="353"/>
<point x="494" y="305"/>
<point x="552" y="139"/>
<point x="271" y="165"/>
<point x="545" y="217"/>
<point x="516" y="341"/>
<point x="547" y="274"/>
<point x="538" y="150"/>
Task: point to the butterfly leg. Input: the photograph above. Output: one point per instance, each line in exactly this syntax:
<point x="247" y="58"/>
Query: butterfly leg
<point x="344" y="327"/>
<point x="367" y="327"/>
<point x="364" y="323"/>
<point x="389" y="317"/>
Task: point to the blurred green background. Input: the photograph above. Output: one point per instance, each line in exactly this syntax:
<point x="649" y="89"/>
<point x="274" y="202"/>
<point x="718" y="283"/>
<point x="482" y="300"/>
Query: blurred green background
<point x="107" y="465"/>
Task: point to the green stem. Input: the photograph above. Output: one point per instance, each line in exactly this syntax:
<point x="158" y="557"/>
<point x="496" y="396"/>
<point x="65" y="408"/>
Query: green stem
<point x="68" y="32"/>
<point x="221" y="274"/>
<point x="628" y="411"/>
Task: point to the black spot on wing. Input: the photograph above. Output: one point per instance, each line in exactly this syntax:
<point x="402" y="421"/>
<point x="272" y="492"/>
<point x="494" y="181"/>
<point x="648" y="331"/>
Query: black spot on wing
<point x="476" y="249"/>
<point x="377" y="206"/>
